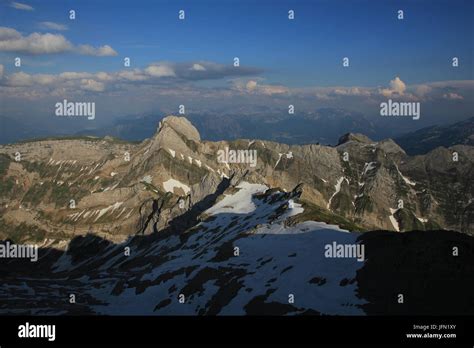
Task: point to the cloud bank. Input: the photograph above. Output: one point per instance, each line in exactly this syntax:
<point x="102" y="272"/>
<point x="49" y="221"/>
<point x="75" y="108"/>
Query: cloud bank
<point x="215" y="85"/>
<point x="12" y="40"/>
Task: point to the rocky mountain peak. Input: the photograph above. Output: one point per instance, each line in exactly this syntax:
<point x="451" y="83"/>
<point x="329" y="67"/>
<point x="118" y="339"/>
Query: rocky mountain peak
<point x="180" y="125"/>
<point x="354" y="137"/>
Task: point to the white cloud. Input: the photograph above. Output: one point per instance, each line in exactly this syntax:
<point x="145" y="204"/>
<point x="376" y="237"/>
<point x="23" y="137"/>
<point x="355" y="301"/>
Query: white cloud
<point x="452" y="96"/>
<point x="397" y="88"/>
<point x="2" y="69"/>
<point x="398" y="85"/>
<point x="422" y="90"/>
<point x="92" y="85"/>
<point x="322" y="95"/>
<point x="160" y="71"/>
<point x="72" y="75"/>
<point x="252" y="86"/>
<point x="123" y="80"/>
<point x="36" y="43"/>
<point x="8" y="34"/>
<point x="443" y="89"/>
<point x="132" y="75"/>
<point x="103" y="76"/>
<point x="20" y="6"/>
<point x="53" y="26"/>
<point x="271" y="89"/>
<point x="65" y="80"/>
<point x="198" y="67"/>
<point x="352" y="91"/>
<point x="20" y="79"/>
<point x="42" y="43"/>
<point x="180" y="80"/>
<point x="99" y="51"/>
<point x="44" y="79"/>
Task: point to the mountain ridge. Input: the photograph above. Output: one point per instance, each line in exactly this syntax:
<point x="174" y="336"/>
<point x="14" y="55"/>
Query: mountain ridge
<point x="116" y="197"/>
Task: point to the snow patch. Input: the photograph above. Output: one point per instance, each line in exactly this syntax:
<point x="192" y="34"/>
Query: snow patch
<point x="104" y="211"/>
<point x="240" y="202"/>
<point x="393" y="220"/>
<point x="368" y="167"/>
<point x="147" y="179"/>
<point x="171" y="184"/>
<point x="209" y="168"/>
<point x="407" y="181"/>
<point x="279" y="158"/>
<point x="338" y="188"/>
<point x="423" y="220"/>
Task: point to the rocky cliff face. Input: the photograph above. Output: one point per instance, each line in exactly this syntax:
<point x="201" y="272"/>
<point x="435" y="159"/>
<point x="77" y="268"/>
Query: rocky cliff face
<point x="53" y="190"/>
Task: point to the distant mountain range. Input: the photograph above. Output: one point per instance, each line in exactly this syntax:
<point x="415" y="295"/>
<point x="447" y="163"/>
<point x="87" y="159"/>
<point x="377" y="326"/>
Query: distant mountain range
<point x="426" y="139"/>
<point x="322" y="126"/>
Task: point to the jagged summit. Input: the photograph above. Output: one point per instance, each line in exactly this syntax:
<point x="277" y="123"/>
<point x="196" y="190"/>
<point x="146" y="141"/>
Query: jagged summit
<point x="180" y="125"/>
<point x="174" y="133"/>
<point x="361" y="138"/>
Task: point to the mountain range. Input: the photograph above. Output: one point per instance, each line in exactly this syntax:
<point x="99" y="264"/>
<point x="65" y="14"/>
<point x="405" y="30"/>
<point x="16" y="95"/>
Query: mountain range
<point x="70" y="185"/>
<point x="321" y="126"/>
<point x="427" y="139"/>
<point x="163" y="227"/>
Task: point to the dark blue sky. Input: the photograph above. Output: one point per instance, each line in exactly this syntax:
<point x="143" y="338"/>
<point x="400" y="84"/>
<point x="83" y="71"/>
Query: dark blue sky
<point x="303" y="52"/>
